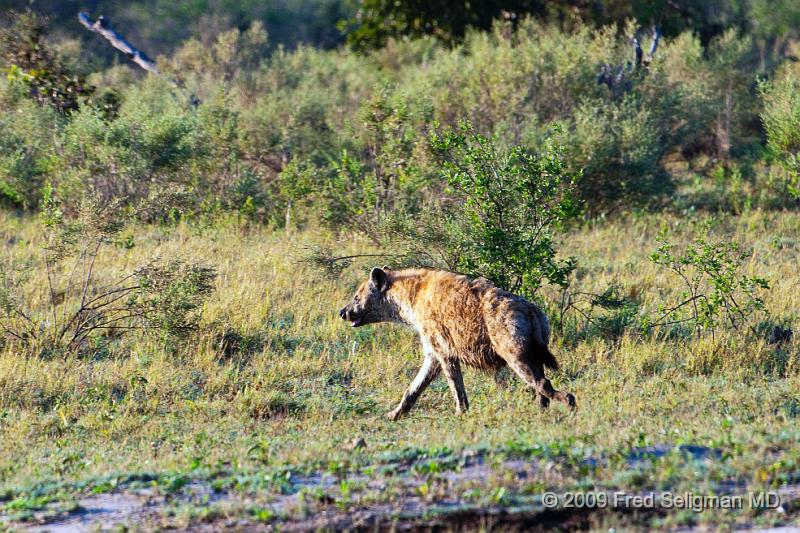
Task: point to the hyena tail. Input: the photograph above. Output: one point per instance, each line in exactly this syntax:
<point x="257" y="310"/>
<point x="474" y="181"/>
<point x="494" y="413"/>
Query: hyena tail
<point x="540" y="354"/>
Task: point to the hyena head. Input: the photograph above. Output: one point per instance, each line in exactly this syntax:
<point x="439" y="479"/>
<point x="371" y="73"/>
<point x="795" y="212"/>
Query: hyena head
<point x="369" y="304"/>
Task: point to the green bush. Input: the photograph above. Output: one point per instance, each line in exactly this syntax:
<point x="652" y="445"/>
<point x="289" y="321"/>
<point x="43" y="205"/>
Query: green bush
<point x="495" y="216"/>
<point x="154" y="140"/>
<point x="82" y="310"/>
<point x="27" y="135"/>
<point x="339" y="136"/>
<point x="379" y="173"/>
<point x="781" y="118"/>
<point x="716" y="293"/>
<point x="619" y="146"/>
<point x="513" y="85"/>
<point x="31" y="64"/>
<point x="505" y="208"/>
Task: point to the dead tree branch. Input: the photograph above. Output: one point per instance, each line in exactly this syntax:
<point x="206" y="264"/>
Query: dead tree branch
<point x="618" y="78"/>
<point x="102" y="26"/>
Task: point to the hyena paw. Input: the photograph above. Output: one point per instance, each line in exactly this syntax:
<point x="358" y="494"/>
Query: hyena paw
<point x="544" y="401"/>
<point x="394" y="415"/>
<point x="571" y="401"/>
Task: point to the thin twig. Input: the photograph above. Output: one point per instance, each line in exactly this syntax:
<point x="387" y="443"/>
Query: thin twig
<point x="109" y="293"/>
<point x="50" y="286"/>
<point x="88" y="279"/>
<point x="13" y="333"/>
<point x="673" y="309"/>
<point x="79" y="259"/>
<point x="85" y="307"/>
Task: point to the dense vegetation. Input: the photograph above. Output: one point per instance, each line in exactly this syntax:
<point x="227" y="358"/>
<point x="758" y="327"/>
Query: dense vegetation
<point x="174" y="246"/>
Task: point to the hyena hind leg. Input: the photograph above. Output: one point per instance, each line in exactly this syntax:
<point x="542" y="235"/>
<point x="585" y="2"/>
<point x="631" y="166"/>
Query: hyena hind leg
<point x="533" y="375"/>
<point x="502" y="379"/>
<point x="430" y="369"/>
<point x="452" y="372"/>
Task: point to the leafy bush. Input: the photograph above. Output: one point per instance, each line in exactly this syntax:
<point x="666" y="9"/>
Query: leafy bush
<point x="233" y="54"/>
<point x="608" y="315"/>
<point x="513" y="85"/>
<point x="496" y="216"/>
<point x="26" y="149"/>
<point x="31" y="64"/>
<point x="715" y="295"/>
<point x="153" y="141"/>
<point x="504" y="210"/>
<point x="80" y="309"/>
<point x="378" y="175"/>
<point x="781" y="118"/>
<point x="716" y="292"/>
<point x="339" y="136"/>
<point x="619" y="146"/>
<point x="731" y="63"/>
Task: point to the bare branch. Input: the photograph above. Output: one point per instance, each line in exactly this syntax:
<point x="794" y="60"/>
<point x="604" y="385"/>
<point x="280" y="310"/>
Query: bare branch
<point x="102" y="26"/>
<point x="671" y="310"/>
<point x="616" y="78"/>
<point x="122" y="293"/>
<point x="53" y="303"/>
<point x="653" y="44"/>
<point x="12" y="333"/>
<point x="88" y="279"/>
<point x="637" y="52"/>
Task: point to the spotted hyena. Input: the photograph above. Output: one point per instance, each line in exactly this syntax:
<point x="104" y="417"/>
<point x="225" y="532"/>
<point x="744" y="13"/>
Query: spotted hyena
<point x="459" y="320"/>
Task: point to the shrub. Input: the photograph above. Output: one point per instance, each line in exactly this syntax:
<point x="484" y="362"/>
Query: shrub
<point x="781" y="118"/>
<point x="716" y="292"/>
<point x="496" y="216"/>
<point x="27" y="135"/>
<point x="378" y="175"/>
<point x="608" y="315"/>
<point x="80" y="309"/>
<point x="340" y="135"/>
<point x="619" y="146"/>
<point x="153" y="140"/>
<point x="504" y="210"/>
<point x="234" y="54"/>
<point x="731" y="63"/>
<point x="30" y="63"/>
<point x="302" y="106"/>
<point x="513" y="85"/>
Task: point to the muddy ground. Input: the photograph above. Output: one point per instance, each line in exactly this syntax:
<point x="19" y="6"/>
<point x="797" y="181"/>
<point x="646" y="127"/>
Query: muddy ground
<point x="449" y="494"/>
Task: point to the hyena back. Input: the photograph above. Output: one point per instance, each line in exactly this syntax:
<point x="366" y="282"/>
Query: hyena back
<point x="459" y="320"/>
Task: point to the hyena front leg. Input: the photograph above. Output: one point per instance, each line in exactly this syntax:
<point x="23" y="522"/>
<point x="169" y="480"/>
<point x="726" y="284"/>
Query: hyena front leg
<point x="452" y="372"/>
<point x="430" y="369"/>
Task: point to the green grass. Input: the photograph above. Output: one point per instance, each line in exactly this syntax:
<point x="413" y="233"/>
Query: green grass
<point x="303" y="386"/>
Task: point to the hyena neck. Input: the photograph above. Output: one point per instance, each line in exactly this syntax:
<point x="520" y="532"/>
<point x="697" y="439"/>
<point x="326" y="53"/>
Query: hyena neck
<point x="400" y="308"/>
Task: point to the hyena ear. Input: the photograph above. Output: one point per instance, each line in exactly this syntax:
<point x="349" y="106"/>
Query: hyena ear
<point x="379" y="278"/>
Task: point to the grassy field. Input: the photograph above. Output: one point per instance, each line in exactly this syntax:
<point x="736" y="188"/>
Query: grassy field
<point x="257" y="417"/>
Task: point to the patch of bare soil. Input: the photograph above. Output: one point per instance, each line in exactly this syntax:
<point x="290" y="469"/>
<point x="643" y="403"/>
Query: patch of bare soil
<point x="421" y="498"/>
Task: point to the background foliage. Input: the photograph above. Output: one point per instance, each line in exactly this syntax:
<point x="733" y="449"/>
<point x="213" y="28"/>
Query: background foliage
<point x="646" y="196"/>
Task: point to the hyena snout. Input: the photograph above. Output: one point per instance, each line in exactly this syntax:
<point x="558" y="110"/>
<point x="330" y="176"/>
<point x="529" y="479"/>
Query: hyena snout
<point x="356" y="317"/>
